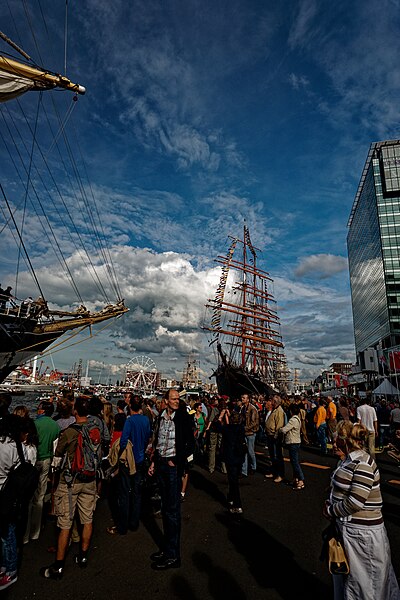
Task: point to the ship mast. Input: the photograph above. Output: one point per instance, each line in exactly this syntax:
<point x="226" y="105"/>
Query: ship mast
<point x="244" y="317"/>
<point x="244" y="325"/>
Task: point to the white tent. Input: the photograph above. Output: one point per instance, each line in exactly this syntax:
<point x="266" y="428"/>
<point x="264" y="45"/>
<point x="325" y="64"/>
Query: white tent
<point x="386" y="388"/>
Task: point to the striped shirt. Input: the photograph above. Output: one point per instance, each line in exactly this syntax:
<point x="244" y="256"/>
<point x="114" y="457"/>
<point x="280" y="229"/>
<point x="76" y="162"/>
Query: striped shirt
<point x="166" y="436"/>
<point x="355" y="490"/>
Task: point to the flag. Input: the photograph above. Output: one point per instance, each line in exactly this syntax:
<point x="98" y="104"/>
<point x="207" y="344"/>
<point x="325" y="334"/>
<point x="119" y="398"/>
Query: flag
<point x="345" y="381"/>
<point x="383" y="366"/>
<point x="394" y="360"/>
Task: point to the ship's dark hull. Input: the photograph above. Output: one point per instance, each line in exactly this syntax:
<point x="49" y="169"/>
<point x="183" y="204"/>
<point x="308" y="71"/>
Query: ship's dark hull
<point x="19" y="343"/>
<point x="23" y="337"/>
<point x="234" y="381"/>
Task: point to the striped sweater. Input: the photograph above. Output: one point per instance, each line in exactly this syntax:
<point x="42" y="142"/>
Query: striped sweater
<point x="355" y="490"/>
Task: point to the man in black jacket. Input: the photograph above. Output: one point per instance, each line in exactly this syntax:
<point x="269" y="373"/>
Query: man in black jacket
<point x="173" y="447"/>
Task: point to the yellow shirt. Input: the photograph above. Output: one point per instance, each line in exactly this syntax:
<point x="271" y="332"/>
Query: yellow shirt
<point x="320" y="416"/>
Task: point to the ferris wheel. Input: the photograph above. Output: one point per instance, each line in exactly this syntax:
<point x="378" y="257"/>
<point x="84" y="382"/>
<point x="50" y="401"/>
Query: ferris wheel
<point x="141" y="373"/>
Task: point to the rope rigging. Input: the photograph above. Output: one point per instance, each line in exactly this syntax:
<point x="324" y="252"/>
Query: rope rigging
<point x="27" y="188"/>
<point x="21" y="242"/>
<point x="89" y="235"/>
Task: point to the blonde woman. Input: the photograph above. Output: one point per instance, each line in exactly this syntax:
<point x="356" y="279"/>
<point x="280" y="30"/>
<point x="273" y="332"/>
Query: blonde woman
<point x="355" y="502"/>
<point x="108" y="416"/>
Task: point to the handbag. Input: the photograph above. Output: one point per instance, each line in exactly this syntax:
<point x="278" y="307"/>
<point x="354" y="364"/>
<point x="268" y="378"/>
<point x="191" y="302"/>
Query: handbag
<point x="333" y="551"/>
<point x="337" y="559"/>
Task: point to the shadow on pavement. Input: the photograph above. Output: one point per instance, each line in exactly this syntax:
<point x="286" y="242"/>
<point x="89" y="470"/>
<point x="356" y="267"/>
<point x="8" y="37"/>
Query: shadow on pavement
<point x="271" y="564"/>
<point x="182" y="588"/>
<point x="221" y="584"/>
<point x="200" y="482"/>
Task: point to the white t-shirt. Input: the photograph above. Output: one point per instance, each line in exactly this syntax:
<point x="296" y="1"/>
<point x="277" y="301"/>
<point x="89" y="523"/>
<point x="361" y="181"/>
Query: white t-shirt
<point x="367" y="416"/>
<point x="8" y="458"/>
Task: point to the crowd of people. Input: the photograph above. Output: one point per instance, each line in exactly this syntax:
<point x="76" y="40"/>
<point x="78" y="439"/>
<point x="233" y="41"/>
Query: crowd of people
<point x="85" y="448"/>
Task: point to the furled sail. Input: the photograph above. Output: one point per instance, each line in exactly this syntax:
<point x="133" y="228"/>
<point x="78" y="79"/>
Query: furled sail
<point x="16" y="78"/>
<point x="12" y="86"/>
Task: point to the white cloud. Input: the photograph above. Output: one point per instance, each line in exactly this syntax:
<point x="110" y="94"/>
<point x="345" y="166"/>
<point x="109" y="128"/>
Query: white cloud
<point x="321" y="266"/>
<point x="298" y="81"/>
<point x="300" y="30"/>
<point x="361" y="67"/>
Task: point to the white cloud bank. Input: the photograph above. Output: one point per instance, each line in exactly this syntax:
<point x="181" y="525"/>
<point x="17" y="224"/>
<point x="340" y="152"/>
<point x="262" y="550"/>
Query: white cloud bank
<point x="166" y="295"/>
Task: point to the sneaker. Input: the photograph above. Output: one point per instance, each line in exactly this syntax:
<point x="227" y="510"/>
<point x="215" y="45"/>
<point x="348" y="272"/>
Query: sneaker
<point x="278" y="479"/>
<point x="51" y="572"/>
<point x="81" y="562"/>
<point x="236" y="511"/>
<point x="268" y="476"/>
<point x="7" y="580"/>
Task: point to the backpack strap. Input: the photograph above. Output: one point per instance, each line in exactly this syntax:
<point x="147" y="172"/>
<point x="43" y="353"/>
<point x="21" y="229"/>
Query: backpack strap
<point x="20" y="451"/>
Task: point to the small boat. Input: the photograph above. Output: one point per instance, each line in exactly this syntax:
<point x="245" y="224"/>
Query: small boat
<point x="245" y="327"/>
<point x="63" y="211"/>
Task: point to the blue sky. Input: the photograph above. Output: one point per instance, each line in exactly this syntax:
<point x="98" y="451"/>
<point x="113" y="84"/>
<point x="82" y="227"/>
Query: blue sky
<point x="198" y="115"/>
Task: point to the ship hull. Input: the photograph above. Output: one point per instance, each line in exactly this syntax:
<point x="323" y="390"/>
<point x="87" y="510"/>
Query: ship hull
<point x="234" y="381"/>
<point x="19" y="342"/>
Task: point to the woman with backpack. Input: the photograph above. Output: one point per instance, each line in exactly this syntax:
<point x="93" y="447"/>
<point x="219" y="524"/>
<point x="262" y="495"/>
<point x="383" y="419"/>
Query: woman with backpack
<point x="15" y="492"/>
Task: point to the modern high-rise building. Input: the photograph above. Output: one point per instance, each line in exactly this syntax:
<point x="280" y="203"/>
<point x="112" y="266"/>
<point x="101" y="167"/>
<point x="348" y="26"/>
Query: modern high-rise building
<point x="373" y="244"/>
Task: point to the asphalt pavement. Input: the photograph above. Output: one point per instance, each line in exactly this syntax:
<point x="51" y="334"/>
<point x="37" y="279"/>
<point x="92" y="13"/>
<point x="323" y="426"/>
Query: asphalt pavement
<point x="270" y="552"/>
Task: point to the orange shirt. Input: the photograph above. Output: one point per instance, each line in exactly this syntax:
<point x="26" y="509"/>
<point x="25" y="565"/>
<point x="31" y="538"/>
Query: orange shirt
<point x="331" y="410"/>
<point x="320" y="416"/>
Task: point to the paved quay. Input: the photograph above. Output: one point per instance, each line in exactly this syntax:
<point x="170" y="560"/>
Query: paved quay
<point x="270" y="553"/>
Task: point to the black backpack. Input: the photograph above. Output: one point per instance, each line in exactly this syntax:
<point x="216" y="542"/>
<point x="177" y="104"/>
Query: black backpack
<point x="18" y="489"/>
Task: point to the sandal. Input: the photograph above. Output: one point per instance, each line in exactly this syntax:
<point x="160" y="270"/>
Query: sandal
<point x="112" y="530"/>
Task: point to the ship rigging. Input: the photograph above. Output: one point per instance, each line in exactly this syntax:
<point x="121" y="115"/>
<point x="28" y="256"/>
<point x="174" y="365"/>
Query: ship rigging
<point x="244" y="325"/>
<point x="48" y="208"/>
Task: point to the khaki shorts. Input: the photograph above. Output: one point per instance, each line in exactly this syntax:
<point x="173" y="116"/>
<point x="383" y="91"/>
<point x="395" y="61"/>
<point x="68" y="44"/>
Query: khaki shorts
<point x="83" y="497"/>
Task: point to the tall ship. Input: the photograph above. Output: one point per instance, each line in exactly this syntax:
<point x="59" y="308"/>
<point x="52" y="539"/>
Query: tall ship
<point x="49" y="216"/>
<point x="244" y="326"/>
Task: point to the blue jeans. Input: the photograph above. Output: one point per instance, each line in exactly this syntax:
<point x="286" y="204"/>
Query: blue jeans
<point x="250" y="441"/>
<point x="170" y="491"/>
<point x="9" y="549"/>
<point x="137" y="486"/>
<point x="125" y="499"/>
<point x="321" y="434"/>
<point x="294" y="461"/>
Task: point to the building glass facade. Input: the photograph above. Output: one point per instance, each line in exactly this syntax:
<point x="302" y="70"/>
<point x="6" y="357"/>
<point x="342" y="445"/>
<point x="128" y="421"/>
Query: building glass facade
<point x="373" y="244"/>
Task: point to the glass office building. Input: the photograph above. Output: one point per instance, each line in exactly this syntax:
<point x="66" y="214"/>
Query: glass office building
<point x="373" y="244"/>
